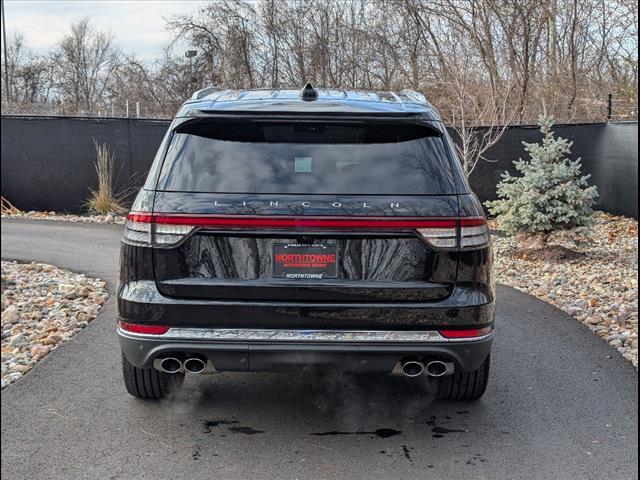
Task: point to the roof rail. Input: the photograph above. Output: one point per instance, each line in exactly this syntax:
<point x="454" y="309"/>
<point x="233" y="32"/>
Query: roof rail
<point x="198" y="94"/>
<point x="415" y="96"/>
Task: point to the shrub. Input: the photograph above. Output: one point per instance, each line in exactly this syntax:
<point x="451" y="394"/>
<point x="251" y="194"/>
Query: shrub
<point x="550" y="195"/>
<point x="105" y="200"/>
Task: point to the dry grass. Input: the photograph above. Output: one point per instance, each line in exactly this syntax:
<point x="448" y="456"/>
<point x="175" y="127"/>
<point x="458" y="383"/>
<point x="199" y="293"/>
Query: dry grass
<point x="105" y="199"/>
<point x="8" y="208"/>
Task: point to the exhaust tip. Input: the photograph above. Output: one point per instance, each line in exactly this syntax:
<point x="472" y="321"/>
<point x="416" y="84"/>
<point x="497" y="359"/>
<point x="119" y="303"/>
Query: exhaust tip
<point x="437" y="368"/>
<point x="170" y="365"/>
<point x="412" y="368"/>
<point x="194" y="365"/>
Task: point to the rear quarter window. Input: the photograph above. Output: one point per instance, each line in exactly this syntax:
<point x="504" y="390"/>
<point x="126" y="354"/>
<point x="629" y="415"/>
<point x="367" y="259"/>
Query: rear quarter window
<point x="305" y="158"/>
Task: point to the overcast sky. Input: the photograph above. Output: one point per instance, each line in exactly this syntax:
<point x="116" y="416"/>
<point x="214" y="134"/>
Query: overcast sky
<point x="137" y="25"/>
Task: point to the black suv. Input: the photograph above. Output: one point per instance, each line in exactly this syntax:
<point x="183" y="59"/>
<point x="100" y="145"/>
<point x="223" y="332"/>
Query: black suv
<point x="285" y="229"/>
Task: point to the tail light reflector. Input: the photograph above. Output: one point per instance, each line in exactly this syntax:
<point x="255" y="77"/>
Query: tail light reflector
<point x="169" y="229"/>
<point x="466" y="333"/>
<point x="474" y="233"/>
<point x="142" y="229"/>
<point x="146" y="329"/>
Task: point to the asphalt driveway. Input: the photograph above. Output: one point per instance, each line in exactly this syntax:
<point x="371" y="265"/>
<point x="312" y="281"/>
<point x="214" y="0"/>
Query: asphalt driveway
<point x="561" y="404"/>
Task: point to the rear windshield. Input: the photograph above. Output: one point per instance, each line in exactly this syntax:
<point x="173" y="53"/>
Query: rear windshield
<point x="298" y="158"/>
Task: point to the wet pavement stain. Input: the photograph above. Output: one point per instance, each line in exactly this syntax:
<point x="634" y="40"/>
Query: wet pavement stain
<point x="406" y="453"/>
<point x="476" y="457"/>
<point x="438" y="432"/>
<point x="381" y="433"/>
<point x="209" y="424"/>
<point x="245" y="430"/>
<point x="447" y="430"/>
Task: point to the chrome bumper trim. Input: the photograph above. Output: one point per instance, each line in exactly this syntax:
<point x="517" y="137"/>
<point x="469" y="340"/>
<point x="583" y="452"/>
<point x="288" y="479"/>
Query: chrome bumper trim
<point x="260" y="335"/>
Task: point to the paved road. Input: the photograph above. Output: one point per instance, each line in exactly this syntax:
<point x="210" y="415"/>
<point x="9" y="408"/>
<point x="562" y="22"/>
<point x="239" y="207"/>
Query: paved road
<point x="560" y="404"/>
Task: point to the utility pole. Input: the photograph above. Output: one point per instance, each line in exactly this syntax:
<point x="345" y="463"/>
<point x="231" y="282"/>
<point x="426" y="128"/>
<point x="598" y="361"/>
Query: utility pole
<point x="6" y="63"/>
<point x="190" y="54"/>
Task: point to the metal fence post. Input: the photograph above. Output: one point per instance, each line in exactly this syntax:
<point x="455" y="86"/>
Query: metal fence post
<point x="138" y="109"/>
<point x="609" y="107"/>
<point x="127" y="108"/>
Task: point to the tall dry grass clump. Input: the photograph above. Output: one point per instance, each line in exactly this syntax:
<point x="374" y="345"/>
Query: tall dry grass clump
<point x="9" y="208"/>
<point x="105" y="199"/>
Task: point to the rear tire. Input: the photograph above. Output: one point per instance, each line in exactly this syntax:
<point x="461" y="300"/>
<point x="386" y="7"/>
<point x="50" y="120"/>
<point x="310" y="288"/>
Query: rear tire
<point x="149" y="383"/>
<point x="465" y="386"/>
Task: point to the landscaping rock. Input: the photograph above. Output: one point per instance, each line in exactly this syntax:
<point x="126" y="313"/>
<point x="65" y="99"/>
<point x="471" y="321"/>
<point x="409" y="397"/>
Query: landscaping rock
<point x="10" y="315"/>
<point x="595" y="279"/>
<point x="38" y="350"/>
<point x="593" y="320"/>
<point x="63" y="217"/>
<point x="41" y="306"/>
<point x="18" y="340"/>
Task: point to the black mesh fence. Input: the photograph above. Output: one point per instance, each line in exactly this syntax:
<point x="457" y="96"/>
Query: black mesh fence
<point x="48" y="162"/>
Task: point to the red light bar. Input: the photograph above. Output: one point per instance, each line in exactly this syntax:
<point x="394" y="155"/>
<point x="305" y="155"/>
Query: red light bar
<point x="247" y="221"/>
<point x="472" y="222"/>
<point x="146" y="329"/>
<point x="466" y="333"/>
<point x="140" y="217"/>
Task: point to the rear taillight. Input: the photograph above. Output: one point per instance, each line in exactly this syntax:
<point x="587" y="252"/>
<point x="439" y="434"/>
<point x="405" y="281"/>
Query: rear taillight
<point x="144" y="329"/>
<point x="466" y="233"/>
<point x="142" y="229"/>
<point x="164" y="230"/>
<point x="468" y="333"/>
<point x="474" y="233"/>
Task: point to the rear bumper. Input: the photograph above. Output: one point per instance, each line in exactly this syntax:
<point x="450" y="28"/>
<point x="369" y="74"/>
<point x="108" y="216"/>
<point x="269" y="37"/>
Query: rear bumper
<point x="141" y="302"/>
<point x="264" y="350"/>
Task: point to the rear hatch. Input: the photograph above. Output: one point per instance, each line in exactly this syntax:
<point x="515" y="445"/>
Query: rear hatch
<point x="306" y="211"/>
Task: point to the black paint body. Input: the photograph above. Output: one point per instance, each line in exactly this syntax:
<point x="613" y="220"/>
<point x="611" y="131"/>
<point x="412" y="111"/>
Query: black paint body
<point x="391" y="281"/>
<point x="386" y="280"/>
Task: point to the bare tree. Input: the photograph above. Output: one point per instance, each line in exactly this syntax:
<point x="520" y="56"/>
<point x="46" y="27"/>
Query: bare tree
<point x="86" y="60"/>
<point x="568" y="53"/>
<point x="30" y="76"/>
<point x="479" y="121"/>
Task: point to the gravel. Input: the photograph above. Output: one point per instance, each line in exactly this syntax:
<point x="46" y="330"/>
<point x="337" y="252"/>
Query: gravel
<point x="65" y="217"/>
<point x="590" y="272"/>
<point x="42" y="306"/>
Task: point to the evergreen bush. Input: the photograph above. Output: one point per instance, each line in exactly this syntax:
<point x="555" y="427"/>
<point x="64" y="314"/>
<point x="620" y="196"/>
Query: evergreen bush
<point x="551" y="194"/>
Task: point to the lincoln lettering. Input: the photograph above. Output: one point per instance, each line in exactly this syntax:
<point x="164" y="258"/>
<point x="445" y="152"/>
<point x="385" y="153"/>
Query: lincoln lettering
<point x="306" y="204"/>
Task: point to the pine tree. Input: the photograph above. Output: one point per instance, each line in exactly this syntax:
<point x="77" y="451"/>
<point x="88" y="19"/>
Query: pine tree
<point x="550" y="195"/>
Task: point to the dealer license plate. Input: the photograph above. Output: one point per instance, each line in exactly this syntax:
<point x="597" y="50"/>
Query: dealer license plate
<point x="297" y="261"/>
